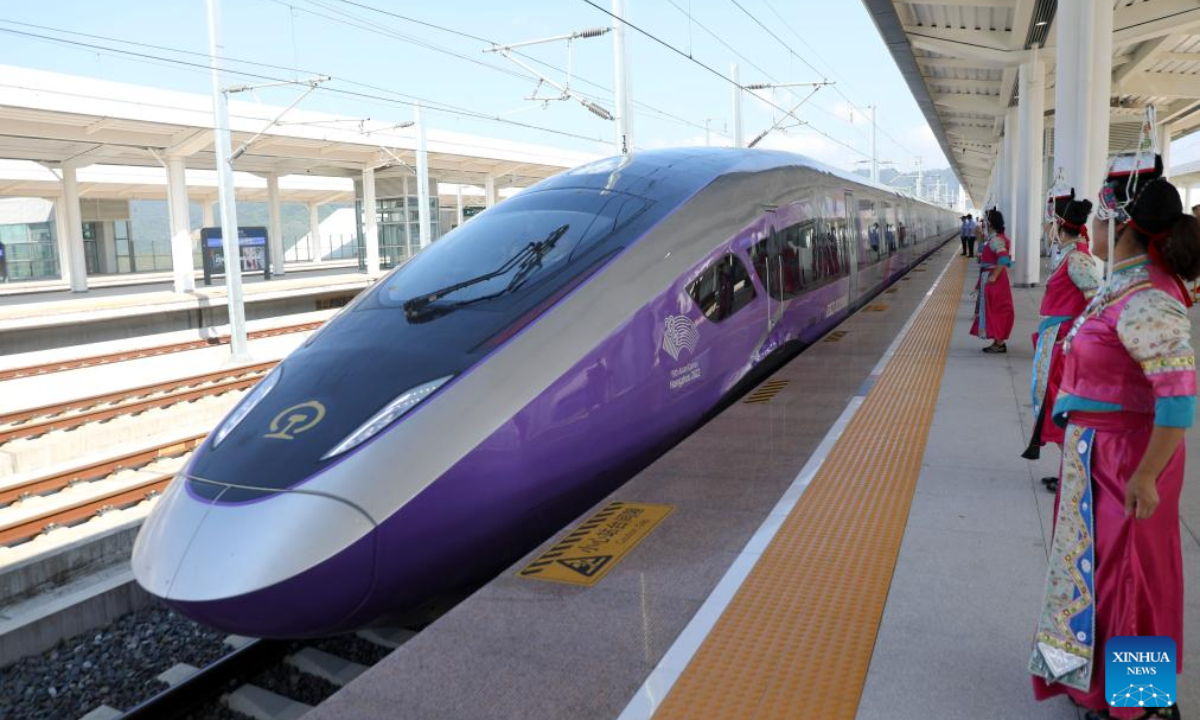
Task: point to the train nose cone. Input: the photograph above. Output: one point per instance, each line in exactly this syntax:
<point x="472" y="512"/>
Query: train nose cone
<point x="292" y="564"/>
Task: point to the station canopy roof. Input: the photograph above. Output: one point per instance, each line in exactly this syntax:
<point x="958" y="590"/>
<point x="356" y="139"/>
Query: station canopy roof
<point x="55" y="119"/>
<point x="960" y="60"/>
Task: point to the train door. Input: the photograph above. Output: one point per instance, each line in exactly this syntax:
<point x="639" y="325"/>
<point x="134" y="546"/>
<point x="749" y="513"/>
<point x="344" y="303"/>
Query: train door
<point x="766" y="257"/>
<point x="854" y="230"/>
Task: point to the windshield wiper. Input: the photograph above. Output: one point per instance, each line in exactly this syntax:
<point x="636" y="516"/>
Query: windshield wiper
<point x="529" y="259"/>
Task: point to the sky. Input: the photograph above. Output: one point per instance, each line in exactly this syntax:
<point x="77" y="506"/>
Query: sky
<point x="395" y="60"/>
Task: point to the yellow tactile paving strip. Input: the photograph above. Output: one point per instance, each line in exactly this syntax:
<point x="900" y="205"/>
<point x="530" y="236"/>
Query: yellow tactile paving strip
<point x="796" y="640"/>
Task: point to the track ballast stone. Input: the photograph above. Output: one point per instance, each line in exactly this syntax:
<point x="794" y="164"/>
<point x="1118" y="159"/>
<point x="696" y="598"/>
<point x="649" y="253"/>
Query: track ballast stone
<point x="115" y="666"/>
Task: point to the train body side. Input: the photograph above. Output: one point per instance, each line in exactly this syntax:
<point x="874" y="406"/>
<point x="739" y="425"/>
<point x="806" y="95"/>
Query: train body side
<point x="641" y="386"/>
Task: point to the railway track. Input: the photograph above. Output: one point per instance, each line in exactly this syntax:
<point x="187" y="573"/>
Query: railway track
<point x="157" y="350"/>
<point x="34" y="422"/>
<point x="251" y="676"/>
<point x="19" y="527"/>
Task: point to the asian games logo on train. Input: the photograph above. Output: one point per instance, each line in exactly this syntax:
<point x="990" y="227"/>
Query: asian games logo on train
<point x="679" y="332"/>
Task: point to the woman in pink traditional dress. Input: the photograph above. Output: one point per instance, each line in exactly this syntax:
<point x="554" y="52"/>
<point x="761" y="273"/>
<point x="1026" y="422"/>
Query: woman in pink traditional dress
<point x="994" y="310"/>
<point x="1127" y="396"/>
<point x="1072" y="284"/>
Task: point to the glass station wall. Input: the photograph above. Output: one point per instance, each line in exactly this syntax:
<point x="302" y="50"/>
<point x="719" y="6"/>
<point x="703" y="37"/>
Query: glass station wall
<point x="398" y="218"/>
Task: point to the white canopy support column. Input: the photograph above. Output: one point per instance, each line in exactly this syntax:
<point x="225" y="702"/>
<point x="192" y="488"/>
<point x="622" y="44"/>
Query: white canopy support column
<point x="459" y="217"/>
<point x="1164" y="148"/>
<point x="71" y="230"/>
<point x="1083" y="80"/>
<point x="422" y="180"/>
<point x="274" y="225"/>
<point x="207" y="216"/>
<point x="1000" y="181"/>
<point x="489" y="191"/>
<point x="1027" y="228"/>
<point x="1011" y="175"/>
<point x="370" y="215"/>
<point x="314" y="231"/>
<point x="183" y="267"/>
<point x="62" y="220"/>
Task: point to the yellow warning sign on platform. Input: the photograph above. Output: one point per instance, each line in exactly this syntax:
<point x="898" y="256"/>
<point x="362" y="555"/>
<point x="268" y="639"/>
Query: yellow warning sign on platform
<point x="589" y="551"/>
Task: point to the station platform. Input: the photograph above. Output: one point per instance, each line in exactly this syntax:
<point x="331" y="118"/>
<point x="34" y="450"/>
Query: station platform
<point x="839" y="544"/>
<point x="146" y="280"/>
<point x="45" y="321"/>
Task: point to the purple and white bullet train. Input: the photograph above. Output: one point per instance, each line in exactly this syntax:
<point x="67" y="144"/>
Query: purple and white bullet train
<point x="480" y="396"/>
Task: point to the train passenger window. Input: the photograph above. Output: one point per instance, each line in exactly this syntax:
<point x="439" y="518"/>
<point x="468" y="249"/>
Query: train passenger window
<point x="869" y="245"/>
<point x="776" y="259"/>
<point x="722" y="289"/>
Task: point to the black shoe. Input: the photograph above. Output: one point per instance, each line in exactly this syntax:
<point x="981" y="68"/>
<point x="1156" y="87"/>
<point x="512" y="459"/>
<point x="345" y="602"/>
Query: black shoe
<point x="996" y="349"/>
<point x="1051" y="486"/>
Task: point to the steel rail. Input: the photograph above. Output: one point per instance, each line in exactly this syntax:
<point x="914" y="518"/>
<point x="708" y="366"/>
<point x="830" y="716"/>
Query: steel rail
<point x="94" y="470"/>
<point x="157" y="350"/>
<point x="126" y="402"/>
<point x="210" y="681"/>
<point x="28" y="528"/>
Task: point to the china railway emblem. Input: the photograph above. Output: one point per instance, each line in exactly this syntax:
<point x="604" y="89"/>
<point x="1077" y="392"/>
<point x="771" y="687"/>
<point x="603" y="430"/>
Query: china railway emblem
<point x="679" y="333"/>
<point x="297" y="419"/>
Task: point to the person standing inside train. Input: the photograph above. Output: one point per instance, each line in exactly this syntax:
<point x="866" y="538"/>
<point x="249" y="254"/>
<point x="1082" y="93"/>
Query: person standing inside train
<point x="1127" y="396"/>
<point x="1073" y="281"/>
<point x="994" y="314"/>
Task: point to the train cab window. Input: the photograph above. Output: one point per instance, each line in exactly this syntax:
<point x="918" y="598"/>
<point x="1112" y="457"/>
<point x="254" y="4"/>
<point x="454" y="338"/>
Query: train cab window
<point x="722" y="289"/>
<point x="777" y="261"/>
<point x="530" y="245"/>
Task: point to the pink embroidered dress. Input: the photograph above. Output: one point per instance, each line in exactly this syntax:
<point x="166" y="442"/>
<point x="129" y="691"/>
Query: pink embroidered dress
<point x="1128" y="366"/>
<point x="994" y="313"/>
<point x="1071" y="285"/>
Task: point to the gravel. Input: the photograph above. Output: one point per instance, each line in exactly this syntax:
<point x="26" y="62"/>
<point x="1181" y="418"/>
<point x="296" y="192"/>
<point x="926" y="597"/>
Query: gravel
<point x="114" y="666"/>
<point x="290" y="682"/>
<point x="353" y="648"/>
<point x="214" y="710"/>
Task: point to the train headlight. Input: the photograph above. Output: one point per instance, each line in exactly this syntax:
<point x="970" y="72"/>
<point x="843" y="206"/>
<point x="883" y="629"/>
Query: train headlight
<point x="406" y="401"/>
<point x="257" y="393"/>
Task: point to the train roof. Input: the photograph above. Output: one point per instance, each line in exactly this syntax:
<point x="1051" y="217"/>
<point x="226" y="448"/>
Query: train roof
<point x="670" y="173"/>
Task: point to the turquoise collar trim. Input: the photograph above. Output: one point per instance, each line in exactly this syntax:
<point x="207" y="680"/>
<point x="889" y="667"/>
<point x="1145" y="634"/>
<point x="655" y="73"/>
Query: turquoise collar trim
<point x="1132" y="263"/>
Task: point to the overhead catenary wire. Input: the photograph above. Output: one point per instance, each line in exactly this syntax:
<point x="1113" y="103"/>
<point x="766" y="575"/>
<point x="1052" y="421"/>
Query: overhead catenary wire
<point x="399" y="99"/>
<point x="759" y="68"/>
<point x="721" y="75"/>
<point x="476" y="38"/>
<point x="833" y="70"/>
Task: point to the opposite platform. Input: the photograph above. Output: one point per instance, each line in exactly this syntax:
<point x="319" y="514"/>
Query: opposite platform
<point x="28" y="325"/>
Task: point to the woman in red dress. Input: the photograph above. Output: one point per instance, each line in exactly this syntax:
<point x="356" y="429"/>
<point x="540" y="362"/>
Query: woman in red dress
<point x="994" y="314"/>
<point x="1074" y="280"/>
<point x="1127" y="396"/>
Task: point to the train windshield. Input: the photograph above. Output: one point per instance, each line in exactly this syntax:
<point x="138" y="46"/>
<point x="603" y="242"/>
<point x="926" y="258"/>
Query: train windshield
<point x="530" y="244"/>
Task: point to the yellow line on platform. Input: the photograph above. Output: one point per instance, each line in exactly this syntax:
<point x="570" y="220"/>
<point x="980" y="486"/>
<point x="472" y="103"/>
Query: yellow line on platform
<point x="796" y="640"/>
